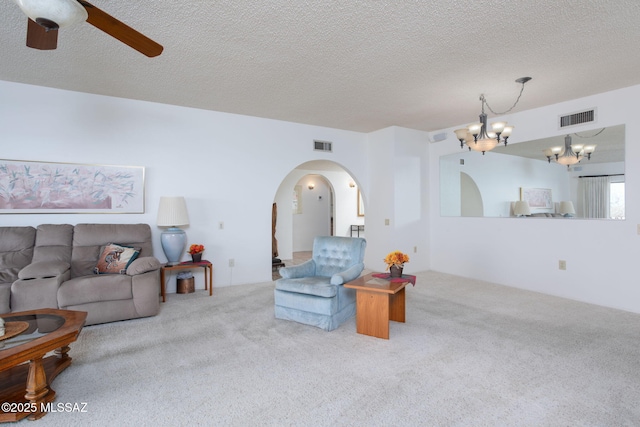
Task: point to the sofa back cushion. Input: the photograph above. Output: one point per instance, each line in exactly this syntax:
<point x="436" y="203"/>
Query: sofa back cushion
<point x="16" y="251"/>
<point x="89" y="239"/>
<point x="335" y="254"/>
<point x="53" y="243"/>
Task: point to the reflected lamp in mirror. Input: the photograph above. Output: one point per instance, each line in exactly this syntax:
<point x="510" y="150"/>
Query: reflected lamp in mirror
<point x="571" y="154"/>
<point x="172" y="213"/>
<point x="521" y="208"/>
<point x="567" y="209"/>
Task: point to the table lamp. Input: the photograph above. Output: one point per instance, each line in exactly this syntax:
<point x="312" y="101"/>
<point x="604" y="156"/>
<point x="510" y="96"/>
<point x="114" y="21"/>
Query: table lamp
<point x="172" y="213"/>
<point x="567" y="209"/>
<point x="521" y="208"/>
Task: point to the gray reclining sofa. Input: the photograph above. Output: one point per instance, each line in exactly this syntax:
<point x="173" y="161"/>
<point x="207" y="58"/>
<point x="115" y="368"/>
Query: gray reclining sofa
<point x="54" y="266"/>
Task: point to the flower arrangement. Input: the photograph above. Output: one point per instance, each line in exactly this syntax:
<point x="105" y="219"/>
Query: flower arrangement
<point x="195" y="249"/>
<point x="396" y="258"/>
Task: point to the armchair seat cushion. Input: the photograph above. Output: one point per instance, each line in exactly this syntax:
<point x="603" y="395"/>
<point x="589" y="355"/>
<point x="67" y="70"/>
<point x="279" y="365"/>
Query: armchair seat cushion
<point x="314" y="285"/>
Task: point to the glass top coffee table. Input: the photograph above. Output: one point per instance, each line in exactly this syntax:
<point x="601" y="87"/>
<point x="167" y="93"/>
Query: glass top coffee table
<point x="25" y="372"/>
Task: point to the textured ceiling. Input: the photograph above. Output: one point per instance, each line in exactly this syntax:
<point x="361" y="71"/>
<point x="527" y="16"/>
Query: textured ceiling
<point x="357" y="65"/>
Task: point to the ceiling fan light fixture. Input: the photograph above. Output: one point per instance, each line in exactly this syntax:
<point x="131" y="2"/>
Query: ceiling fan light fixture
<point x="61" y="12"/>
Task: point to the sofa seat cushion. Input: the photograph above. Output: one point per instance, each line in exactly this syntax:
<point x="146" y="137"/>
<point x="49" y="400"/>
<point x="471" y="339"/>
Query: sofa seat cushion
<point x="94" y="288"/>
<point x="313" y="285"/>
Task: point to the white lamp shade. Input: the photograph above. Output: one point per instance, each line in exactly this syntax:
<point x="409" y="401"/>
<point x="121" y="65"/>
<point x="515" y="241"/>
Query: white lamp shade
<point x="521" y="207"/>
<point x="62" y="12"/>
<point x="566" y="208"/>
<point x="172" y="212"/>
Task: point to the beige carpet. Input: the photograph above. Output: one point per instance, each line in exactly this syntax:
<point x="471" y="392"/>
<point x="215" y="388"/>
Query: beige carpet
<point x="470" y="354"/>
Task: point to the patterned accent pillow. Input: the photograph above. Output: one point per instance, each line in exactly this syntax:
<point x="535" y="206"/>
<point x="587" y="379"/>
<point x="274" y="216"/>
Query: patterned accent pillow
<point x="114" y="259"/>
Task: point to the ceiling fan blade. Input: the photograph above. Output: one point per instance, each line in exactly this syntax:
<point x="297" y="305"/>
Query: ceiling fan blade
<point x="121" y="31"/>
<point x="39" y="38"/>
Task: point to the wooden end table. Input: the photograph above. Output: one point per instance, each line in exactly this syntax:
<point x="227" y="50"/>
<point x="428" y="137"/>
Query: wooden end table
<point x="206" y="265"/>
<point x="25" y="372"/>
<point x="378" y="301"/>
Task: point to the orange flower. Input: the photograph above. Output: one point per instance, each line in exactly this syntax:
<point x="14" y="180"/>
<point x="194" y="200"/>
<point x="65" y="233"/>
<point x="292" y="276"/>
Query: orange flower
<point x="195" y="249"/>
<point x="396" y="258"/>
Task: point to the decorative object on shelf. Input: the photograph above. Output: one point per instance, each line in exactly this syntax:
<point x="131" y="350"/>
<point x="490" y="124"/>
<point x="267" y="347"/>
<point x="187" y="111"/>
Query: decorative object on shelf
<point x="395" y="262"/>
<point x="476" y="135"/>
<point x="196" y="252"/>
<point x="521" y="208"/>
<point x="172" y="213"/>
<point x="572" y="153"/>
<point x="2" y="330"/>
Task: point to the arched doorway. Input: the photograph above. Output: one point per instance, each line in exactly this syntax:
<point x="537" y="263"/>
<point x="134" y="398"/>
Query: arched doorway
<point x="330" y="207"/>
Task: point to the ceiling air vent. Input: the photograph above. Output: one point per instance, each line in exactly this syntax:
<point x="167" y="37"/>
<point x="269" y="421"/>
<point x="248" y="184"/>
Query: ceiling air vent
<point x="578" y="118"/>
<point x="322" y="145"/>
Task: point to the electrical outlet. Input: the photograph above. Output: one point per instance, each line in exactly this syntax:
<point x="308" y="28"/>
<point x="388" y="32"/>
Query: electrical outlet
<point x="386" y="221"/>
<point x="221" y="225"/>
<point x="415" y="249"/>
<point x="562" y="264"/>
<point x="638" y="228"/>
<point x="232" y="262"/>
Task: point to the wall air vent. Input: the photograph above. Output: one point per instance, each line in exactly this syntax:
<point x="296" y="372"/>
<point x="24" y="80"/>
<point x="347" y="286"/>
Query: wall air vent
<point x="587" y="116"/>
<point x="322" y="145"/>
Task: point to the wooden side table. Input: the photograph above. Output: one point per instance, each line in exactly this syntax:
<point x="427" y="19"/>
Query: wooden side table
<point x="377" y="302"/>
<point x="206" y="265"/>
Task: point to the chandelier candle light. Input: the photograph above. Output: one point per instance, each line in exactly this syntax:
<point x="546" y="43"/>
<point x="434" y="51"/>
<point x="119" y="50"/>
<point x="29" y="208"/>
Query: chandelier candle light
<point x="478" y="137"/>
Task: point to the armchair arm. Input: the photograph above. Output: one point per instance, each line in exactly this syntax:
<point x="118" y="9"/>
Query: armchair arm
<point x="44" y="269"/>
<point x="348" y="275"/>
<point x="143" y="265"/>
<point x="306" y="269"/>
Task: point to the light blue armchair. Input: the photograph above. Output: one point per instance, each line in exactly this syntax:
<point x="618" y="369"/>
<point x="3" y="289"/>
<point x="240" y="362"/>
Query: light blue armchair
<point x="312" y="292"/>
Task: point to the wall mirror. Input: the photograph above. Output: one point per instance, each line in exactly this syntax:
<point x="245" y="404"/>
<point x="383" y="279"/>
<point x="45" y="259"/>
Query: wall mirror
<point x="488" y="186"/>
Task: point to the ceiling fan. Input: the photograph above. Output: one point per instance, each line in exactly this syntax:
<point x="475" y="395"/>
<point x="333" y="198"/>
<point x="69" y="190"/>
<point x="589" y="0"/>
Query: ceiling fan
<point x="46" y="16"/>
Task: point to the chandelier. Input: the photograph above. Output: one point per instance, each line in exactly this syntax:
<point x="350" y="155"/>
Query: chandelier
<point x="570" y="154"/>
<point x="478" y="137"/>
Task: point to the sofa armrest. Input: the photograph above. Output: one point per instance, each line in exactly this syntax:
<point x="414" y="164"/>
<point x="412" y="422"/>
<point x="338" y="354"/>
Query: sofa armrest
<point x="348" y="275"/>
<point x="44" y="269"/>
<point x="143" y="265"/>
<point x="306" y="269"/>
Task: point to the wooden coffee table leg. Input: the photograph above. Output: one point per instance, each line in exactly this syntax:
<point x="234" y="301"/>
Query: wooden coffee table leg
<point x="372" y="314"/>
<point x="37" y="388"/>
<point x="396" y="307"/>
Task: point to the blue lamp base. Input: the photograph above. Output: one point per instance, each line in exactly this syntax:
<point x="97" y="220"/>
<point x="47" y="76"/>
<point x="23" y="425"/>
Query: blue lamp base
<point x="173" y="242"/>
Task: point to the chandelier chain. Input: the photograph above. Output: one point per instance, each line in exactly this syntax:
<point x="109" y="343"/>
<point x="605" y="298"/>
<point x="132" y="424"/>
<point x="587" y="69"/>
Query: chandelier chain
<point x="599" y="132"/>
<point x="482" y="98"/>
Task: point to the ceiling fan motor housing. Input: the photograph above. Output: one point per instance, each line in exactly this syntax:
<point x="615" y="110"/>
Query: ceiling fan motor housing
<point x="60" y="13"/>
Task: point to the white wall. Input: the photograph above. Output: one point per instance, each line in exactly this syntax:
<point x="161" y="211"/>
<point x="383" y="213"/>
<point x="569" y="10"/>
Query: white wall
<point x="600" y="254"/>
<point x="228" y="167"/>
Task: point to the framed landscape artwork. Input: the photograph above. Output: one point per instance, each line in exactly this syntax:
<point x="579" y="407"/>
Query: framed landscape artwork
<point x="43" y="187"/>
<point x="538" y="198"/>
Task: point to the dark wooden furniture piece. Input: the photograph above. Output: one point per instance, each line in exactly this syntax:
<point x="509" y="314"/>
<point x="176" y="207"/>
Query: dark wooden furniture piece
<point x="25" y="374"/>
<point x="206" y="265"/>
<point x="377" y="302"/>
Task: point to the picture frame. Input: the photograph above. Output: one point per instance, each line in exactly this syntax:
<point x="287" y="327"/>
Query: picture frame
<point x="360" y="204"/>
<point x="538" y="198"/>
<point x="35" y="187"/>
